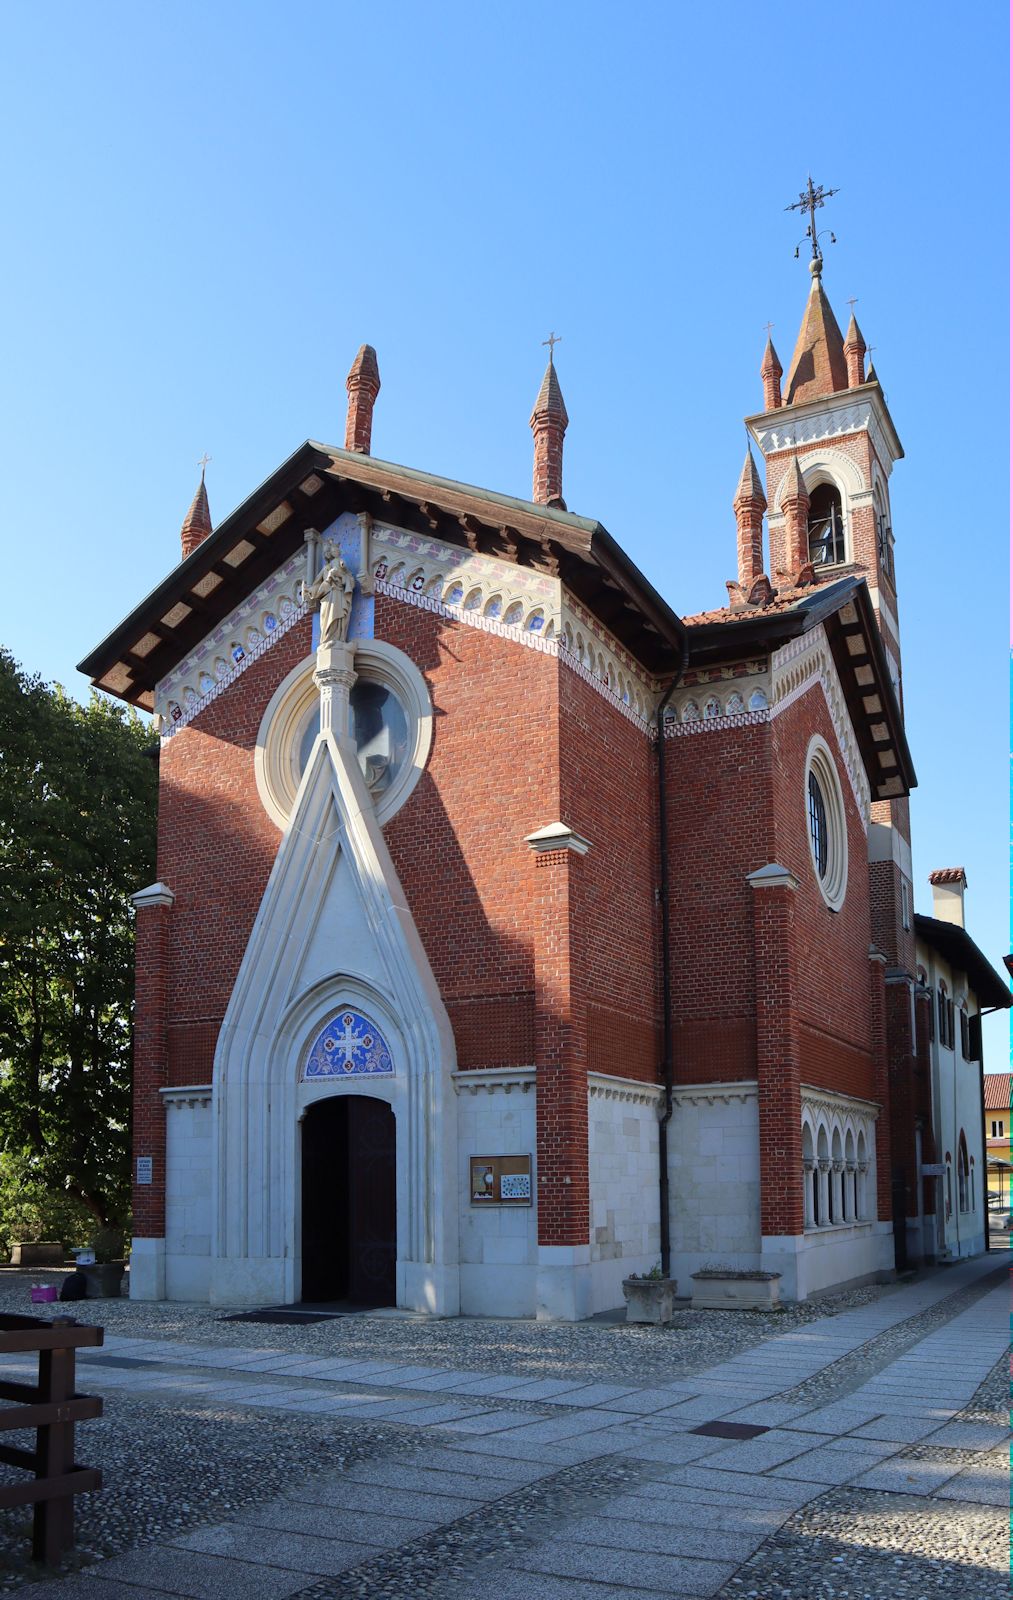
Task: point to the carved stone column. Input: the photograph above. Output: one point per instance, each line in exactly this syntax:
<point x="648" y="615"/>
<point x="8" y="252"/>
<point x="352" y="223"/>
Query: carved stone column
<point x="334" y="676"/>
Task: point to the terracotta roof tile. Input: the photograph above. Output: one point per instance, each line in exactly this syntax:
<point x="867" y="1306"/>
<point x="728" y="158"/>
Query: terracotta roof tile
<point x="949" y="875"/>
<point x="997" y="1091"/>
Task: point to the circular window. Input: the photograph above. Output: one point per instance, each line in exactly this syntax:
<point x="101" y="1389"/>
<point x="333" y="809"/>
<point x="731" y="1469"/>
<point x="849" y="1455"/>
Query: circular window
<point x="827" y="823"/>
<point x="390" y="720"/>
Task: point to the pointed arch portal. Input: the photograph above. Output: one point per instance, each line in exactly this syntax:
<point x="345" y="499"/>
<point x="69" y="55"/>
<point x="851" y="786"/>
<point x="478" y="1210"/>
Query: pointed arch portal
<point x="349" y="1201"/>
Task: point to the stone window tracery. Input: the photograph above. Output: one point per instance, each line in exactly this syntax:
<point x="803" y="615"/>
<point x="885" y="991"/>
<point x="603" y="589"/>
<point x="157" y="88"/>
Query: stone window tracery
<point x="835" y="1165"/>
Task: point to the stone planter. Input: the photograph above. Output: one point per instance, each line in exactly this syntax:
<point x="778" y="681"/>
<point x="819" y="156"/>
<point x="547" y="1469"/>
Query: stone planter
<point x="104" y="1279"/>
<point x="717" y="1290"/>
<point x="45" y="1253"/>
<point x="649" y="1299"/>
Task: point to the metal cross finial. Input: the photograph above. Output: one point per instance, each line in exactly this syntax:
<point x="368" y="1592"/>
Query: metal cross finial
<point x="810" y="200"/>
<point x="768" y="326"/>
<point x="202" y="463"/>
<point x="853" y="303"/>
<point x="553" y="339"/>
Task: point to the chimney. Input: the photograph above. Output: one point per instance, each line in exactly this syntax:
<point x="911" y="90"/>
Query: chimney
<point x="770" y="372"/>
<point x="197" y="522"/>
<point x="854" y="354"/>
<point x="363" y="385"/>
<point x="749" y="505"/>
<point x="548" y="423"/>
<point x="795" y="504"/>
<point x="948" y="885"/>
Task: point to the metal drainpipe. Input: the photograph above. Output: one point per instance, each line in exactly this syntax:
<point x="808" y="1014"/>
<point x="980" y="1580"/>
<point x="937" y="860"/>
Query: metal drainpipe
<point x="666" y="974"/>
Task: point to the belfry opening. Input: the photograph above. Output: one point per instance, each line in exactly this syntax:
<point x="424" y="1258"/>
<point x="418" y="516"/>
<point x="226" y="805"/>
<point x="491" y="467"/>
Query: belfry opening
<point x="349" y="1204"/>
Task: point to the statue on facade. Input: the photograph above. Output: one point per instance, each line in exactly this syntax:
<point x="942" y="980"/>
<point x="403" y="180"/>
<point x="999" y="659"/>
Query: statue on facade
<point x="332" y="592"/>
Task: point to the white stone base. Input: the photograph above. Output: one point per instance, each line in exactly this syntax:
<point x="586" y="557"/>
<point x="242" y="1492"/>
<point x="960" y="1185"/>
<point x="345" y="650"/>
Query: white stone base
<point x="830" y="1258"/>
<point x="563" y="1283"/>
<point x="147" y="1269"/>
<point x="432" y="1289"/>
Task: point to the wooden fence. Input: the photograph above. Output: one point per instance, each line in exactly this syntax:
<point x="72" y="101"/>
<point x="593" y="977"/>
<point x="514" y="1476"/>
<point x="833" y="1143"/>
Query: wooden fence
<point x="52" y="1408"/>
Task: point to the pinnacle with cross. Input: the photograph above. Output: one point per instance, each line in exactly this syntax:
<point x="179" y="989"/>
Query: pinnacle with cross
<point x="810" y="200"/>
<point x="202" y="463"/>
<point x="553" y="339"/>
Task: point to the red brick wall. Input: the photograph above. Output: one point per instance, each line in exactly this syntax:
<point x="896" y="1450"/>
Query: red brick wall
<point x="832" y="946"/>
<point x="719" y="791"/>
<point x="459" y="843"/>
<point x="608" y="794"/>
<point x="216" y="848"/>
<point x="151" y="958"/>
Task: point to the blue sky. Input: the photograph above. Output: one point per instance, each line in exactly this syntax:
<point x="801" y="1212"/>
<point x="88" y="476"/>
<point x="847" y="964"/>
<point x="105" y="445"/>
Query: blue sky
<point x="208" y="208"/>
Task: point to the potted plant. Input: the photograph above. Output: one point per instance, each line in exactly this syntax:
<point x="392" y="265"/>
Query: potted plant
<point x="649" y="1296"/>
<point x="104" y="1276"/>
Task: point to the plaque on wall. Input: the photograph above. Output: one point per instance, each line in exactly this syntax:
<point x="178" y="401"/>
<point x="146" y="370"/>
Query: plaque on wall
<point x="501" y="1180"/>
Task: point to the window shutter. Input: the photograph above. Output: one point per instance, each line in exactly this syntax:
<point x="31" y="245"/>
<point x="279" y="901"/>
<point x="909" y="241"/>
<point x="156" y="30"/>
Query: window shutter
<point x="974" y="1038"/>
<point x="965" y="1050"/>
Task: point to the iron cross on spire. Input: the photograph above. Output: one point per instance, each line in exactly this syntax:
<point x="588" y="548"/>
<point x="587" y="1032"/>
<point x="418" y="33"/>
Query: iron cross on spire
<point x="202" y="463"/>
<point x="553" y="339"/>
<point x="810" y="200"/>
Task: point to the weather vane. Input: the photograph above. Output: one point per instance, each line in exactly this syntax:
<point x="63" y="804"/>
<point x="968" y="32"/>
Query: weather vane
<point x="810" y="200"/>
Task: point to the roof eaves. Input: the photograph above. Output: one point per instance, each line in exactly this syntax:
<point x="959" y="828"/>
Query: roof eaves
<point x="960" y="950"/>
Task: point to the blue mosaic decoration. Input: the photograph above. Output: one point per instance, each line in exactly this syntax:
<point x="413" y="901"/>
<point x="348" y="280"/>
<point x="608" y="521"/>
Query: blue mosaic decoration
<point x="350" y="1044"/>
<point x="344" y="534"/>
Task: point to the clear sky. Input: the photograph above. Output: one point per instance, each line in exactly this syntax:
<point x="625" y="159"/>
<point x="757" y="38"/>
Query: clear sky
<point x="209" y="207"/>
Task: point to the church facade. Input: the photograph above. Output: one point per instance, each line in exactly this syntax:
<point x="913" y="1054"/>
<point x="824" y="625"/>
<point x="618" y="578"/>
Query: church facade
<point x="512" y="931"/>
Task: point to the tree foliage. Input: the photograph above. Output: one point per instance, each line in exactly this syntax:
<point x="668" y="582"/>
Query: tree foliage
<point x="77" y="837"/>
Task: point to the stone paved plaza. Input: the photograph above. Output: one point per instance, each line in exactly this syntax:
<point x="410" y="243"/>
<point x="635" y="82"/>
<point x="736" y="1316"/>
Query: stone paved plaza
<point x="388" y="1456"/>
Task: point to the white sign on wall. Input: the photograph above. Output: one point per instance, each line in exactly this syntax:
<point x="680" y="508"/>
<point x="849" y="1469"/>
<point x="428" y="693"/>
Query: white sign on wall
<point x="144" y="1164"/>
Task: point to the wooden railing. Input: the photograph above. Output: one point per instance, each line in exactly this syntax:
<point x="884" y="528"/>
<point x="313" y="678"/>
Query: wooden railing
<point x="52" y="1408"/>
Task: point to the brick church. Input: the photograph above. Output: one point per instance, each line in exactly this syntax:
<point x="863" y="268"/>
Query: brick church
<point x="514" y="931"/>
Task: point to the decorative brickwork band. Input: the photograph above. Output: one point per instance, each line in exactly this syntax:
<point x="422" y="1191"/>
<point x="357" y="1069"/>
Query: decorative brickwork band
<point x="778" y="1061"/>
<point x="561" y="1105"/>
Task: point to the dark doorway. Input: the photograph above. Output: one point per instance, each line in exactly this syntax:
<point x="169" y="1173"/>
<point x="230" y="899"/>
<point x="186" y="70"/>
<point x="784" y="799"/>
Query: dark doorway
<point x="349" y="1205"/>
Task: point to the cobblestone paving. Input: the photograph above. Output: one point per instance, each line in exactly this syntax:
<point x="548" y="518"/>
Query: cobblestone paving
<point x="852" y="1371"/>
<point x="163" y="1475"/>
<point x="468" y="1555"/>
<point x="555" y="1497"/>
<point x="857" y="1543"/>
<point x="695" y="1341"/>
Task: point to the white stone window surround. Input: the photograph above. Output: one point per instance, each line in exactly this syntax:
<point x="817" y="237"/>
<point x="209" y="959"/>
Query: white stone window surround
<point x="838" y="1162"/>
<point x="836" y="468"/>
<point x="819" y="763"/>
<point x="284" y="720"/>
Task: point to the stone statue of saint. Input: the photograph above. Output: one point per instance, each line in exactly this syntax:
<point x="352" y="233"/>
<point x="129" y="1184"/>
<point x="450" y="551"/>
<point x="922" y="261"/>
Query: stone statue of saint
<point x="331" y="591"/>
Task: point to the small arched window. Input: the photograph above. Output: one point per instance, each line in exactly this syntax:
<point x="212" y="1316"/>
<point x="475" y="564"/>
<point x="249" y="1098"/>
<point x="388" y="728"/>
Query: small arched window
<point x="963" y="1175"/>
<point x="826" y="526"/>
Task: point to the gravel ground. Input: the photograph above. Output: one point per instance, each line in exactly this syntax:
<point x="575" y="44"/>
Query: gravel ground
<point x="861" y="1544"/>
<point x="161" y="1478"/>
<point x="876" y="1546"/>
<point x="600" y="1350"/>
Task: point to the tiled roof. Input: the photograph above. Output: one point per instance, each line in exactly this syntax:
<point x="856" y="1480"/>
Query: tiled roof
<point x="784" y="601"/>
<point x="948" y="875"/>
<point x="997" y="1091"/>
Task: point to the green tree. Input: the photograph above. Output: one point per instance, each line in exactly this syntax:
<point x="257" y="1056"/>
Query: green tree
<point x="77" y="837"/>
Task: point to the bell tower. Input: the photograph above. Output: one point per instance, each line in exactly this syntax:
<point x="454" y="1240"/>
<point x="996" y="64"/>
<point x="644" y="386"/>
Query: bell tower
<point x="829" y="447"/>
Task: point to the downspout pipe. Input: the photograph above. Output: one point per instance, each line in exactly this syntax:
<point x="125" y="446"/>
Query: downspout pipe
<point x="666" y="971"/>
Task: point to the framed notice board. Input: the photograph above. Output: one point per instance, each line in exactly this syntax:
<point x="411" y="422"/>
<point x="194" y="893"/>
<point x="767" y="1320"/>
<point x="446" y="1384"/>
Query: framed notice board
<point x="501" y="1180"/>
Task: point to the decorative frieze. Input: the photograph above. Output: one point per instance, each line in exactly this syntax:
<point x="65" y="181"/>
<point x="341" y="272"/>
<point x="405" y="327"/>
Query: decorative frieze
<point x="242" y="638"/>
<point x="603" y="1086"/>
<point x="493" y="1080"/>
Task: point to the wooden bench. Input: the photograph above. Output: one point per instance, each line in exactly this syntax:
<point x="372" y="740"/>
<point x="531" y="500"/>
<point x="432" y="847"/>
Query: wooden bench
<point x="52" y="1408"/>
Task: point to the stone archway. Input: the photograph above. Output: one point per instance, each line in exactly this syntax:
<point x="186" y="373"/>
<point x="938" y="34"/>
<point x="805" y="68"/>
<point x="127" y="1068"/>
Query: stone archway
<point x="349" y="1201"/>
